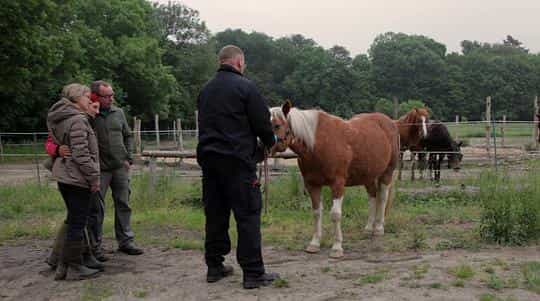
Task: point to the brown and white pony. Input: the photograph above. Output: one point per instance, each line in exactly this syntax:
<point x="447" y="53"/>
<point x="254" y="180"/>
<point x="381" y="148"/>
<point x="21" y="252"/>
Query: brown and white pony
<point x="337" y="153"/>
<point x="412" y="128"/>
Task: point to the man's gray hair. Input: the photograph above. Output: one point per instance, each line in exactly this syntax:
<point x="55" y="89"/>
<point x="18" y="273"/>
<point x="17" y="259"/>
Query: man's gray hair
<point x="229" y="52"/>
<point x="94" y="86"/>
<point x="74" y="91"/>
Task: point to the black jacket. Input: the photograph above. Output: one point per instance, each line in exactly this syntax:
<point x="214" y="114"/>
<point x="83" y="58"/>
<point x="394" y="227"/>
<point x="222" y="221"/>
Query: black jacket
<point x="232" y="114"/>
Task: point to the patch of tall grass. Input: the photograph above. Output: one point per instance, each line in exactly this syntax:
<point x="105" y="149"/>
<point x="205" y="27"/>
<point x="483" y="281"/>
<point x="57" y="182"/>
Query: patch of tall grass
<point x="510" y="207"/>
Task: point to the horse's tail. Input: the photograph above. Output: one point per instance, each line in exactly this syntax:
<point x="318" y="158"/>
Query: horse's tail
<point x="391" y="194"/>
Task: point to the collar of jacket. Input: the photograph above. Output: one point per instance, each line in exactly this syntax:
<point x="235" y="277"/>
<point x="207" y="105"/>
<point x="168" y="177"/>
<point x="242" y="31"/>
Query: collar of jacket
<point x="229" y="68"/>
<point x="111" y="109"/>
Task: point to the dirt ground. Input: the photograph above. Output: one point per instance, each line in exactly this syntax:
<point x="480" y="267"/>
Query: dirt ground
<point x="172" y="274"/>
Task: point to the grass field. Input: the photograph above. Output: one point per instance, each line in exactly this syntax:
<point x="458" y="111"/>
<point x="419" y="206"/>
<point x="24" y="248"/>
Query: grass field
<point x="474" y="130"/>
<point x="447" y="243"/>
<point x="171" y="213"/>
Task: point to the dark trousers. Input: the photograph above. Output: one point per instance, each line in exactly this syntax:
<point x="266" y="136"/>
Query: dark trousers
<point x="118" y="181"/>
<point x="95" y="220"/>
<point x="228" y="184"/>
<point x="77" y="200"/>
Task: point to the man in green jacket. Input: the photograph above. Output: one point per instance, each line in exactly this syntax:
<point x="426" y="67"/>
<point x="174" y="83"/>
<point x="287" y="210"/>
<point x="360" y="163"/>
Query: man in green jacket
<point x="115" y="146"/>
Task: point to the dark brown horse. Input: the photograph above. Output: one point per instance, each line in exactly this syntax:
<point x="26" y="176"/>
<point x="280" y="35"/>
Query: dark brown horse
<point x="440" y="145"/>
<point x="337" y="153"/>
<point x="412" y="128"/>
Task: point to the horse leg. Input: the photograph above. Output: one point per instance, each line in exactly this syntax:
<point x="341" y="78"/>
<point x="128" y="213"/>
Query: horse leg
<point x="338" y="189"/>
<point x="317" y="206"/>
<point x="431" y="164"/>
<point x="413" y="165"/>
<point x="372" y="207"/>
<point x="421" y="164"/>
<point x="438" y="169"/>
<point x="400" y="164"/>
<point x="382" y="198"/>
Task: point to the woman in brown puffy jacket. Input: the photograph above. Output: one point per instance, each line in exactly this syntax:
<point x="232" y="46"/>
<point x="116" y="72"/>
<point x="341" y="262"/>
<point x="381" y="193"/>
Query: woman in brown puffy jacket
<point x="77" y="174"/>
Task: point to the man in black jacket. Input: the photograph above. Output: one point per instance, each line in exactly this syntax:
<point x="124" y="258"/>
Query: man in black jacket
<point x="232" y="115"/>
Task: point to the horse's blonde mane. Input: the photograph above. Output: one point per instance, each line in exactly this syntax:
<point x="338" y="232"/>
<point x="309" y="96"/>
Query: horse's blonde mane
<point x="303" y="123"/>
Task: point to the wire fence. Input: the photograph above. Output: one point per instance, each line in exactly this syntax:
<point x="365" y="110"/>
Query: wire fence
<point x="485" y="144"/>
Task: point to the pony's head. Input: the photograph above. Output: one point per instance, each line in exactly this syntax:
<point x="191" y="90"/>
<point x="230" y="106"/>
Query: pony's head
<point x="281" y="126"/>
<point x="419" y="117"/>
<point x="454" y="159"/>
<point x="292" y="125"/>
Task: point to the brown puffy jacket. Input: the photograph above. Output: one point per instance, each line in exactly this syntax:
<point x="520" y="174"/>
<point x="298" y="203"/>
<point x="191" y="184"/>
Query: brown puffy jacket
<point x="69" y="126"/>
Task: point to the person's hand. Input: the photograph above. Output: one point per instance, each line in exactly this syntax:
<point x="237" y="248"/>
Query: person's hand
<point x="94" y="187"/>
<point x="127" y="165"/>
<point x="93" y="109"/>
<point x="64" y="151"/>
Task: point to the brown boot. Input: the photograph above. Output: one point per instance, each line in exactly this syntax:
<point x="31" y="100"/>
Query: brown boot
<point x="58" y="245"/>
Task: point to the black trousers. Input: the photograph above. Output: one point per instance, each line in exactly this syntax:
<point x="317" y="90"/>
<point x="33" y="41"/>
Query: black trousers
<point x="77" y="200"/>
<point x="228" y="184"/>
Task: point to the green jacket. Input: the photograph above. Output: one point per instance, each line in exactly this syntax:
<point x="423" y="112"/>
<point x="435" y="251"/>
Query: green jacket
<point x="114" y="138"/>
<point x="69" y="126"/>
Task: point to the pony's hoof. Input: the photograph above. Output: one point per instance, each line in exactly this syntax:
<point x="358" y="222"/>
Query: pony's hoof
<point x="378" y="232"/>
<point x="313" y="249"/>
<point x="336" y="253"/>
<point x="368" y="230"/>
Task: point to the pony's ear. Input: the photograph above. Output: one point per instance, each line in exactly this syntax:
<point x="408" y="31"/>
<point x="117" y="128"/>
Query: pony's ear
<point x="286" y="107"/>
<point x="416" y="110"/>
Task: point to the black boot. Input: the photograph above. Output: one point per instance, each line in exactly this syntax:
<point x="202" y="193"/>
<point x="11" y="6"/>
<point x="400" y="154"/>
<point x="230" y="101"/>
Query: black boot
<point x="89" y="260"/>
<point x="216" y="274"/>
<point x="58" y="245"/>
<point x="265" y="279"/>
<point x="72" y="260"/>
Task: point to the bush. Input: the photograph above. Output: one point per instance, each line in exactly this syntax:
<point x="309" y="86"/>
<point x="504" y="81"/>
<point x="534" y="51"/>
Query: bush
<point x="510" y="208"/>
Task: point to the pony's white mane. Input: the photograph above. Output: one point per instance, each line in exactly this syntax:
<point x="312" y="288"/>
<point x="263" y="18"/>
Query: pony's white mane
<point x="303" y="123"/>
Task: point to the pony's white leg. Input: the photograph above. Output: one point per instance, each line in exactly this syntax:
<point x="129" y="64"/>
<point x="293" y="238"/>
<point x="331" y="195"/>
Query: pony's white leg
<point x="317" y="205"/>
<point x="372" y="209"/>
<point x="335" y="214"/>
<point x="315" y="244"/>
<point x="382" y="197"/>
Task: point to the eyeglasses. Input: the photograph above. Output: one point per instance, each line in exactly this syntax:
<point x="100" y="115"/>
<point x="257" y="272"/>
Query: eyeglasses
<point x="106" y="96"/>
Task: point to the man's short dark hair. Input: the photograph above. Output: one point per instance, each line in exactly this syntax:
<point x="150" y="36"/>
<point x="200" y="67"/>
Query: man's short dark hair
<point x="229" y="52"/>
<point x="94" y="86"/>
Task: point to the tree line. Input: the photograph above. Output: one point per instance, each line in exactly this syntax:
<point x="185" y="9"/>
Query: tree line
<point x="158" y="56"/>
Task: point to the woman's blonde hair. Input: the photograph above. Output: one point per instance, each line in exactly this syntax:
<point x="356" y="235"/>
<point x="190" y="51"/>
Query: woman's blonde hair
<point x="74" y="91"/>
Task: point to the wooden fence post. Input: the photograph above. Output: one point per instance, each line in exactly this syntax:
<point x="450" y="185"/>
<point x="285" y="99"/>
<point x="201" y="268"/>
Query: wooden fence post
<point x="503" y="126"/>
<point x="457" y="127"/>
<point x="396" y="108"/>
<point x="175" y="132"/>
<point x="139" y="129"/>
<point x="196" y="124"/>
<point x="1" y="149"/>
<point x="180" y="135"/>
<point x="156" y="125"/>
<point x="488" y="125"/>
<point x="36" y="160"/>
<point x="152" y="173"/>
<point x="535" y="125"/>
<point x="136" y="136"/>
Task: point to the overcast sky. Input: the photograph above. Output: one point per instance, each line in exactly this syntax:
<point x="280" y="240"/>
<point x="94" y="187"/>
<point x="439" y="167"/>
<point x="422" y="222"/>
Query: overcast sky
<point x="355" y="23"/>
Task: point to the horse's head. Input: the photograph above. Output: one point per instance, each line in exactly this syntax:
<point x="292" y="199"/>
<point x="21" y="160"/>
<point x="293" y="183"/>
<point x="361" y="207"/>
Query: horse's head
<point x="454" y="159"/>
<point x="421" y="117"/>
<point x="280" y="126"/>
